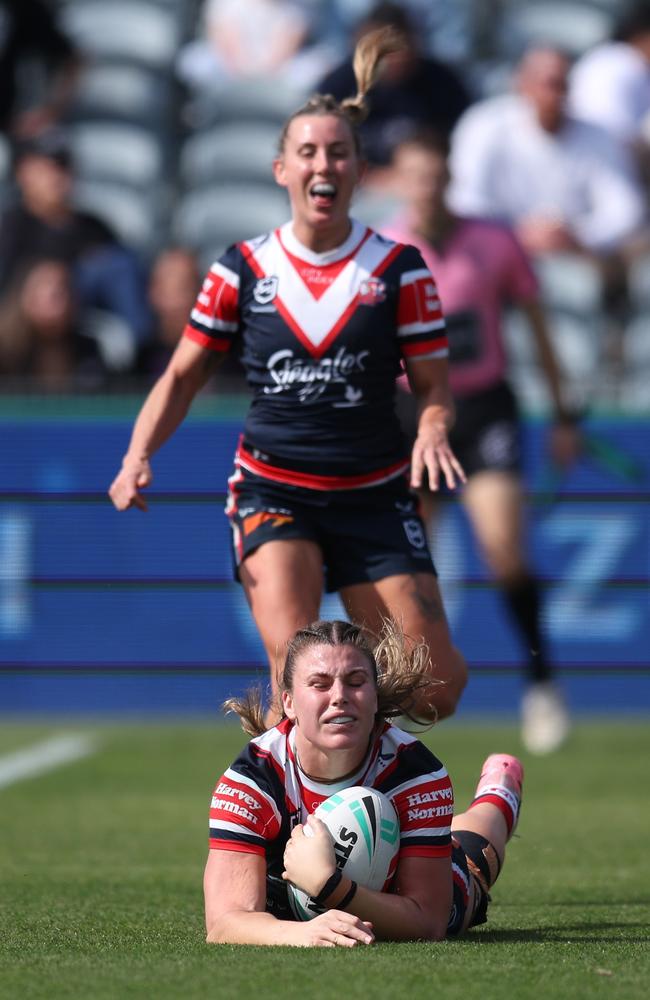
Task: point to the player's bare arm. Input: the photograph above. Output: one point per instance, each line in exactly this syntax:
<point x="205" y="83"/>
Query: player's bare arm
<point x="431" y="451"/>
<point x="162" y="412"/>
<point x="417" y="908"/>
<point x="235" y="895"/>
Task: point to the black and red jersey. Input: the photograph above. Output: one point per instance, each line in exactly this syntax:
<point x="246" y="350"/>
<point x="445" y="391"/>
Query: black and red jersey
<point x="322" y="337"/>
<point x="264" y="794"/>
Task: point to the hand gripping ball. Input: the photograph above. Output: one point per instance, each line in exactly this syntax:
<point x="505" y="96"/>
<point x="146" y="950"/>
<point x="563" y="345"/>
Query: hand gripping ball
<point x="365" y="830"/>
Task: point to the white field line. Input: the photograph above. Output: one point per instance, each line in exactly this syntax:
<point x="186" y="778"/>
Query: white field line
<point x="45" y="756"/>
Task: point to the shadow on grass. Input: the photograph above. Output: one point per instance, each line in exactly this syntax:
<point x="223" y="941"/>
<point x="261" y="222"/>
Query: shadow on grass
<point x="593" y="932"/>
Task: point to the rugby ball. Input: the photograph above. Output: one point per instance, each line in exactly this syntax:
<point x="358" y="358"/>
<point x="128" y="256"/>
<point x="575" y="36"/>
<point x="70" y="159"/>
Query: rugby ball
<point x="365" y="829"/>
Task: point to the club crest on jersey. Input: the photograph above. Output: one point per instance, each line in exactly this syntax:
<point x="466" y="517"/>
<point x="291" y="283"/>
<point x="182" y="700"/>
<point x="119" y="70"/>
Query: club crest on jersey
<point x="265" y="290"/>
<point x="372" y="291"/>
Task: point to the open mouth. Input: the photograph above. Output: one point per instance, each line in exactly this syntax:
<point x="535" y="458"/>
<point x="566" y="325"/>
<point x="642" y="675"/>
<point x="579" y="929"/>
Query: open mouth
<point x="323" y="193"/>
<point x="341" y="720"/>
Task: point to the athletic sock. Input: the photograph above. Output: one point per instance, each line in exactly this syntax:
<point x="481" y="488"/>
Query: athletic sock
<point x="501" y="784"/>
<point x="507" y="802"/>
<point x="523" y="600"/>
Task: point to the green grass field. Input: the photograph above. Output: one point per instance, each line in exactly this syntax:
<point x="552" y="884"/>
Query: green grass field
<point x="101" y="863"/>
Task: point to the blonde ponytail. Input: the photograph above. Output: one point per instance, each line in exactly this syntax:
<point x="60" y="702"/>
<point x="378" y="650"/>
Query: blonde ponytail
<point x="371" y="49"/>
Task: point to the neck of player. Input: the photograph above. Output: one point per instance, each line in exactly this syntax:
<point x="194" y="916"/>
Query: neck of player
<point x="329" y="766"/>
<point x="321" y="238"/>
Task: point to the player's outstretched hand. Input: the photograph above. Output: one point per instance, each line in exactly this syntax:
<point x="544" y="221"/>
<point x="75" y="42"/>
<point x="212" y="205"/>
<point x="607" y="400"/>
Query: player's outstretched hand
<point x="336" y="929"/>
<point x="125" y="489"/>
<point x="432" y="452"/>
<point x="309" y="858"/>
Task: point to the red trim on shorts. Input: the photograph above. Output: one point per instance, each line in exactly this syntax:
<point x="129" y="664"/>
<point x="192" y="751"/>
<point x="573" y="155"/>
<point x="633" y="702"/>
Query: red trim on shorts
<point x="312" y="482"/>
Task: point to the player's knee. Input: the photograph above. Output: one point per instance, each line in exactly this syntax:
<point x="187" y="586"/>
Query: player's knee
<point x="440" y="700"/>
<point x="482" y="859"/>
<point x="455" y="683"/>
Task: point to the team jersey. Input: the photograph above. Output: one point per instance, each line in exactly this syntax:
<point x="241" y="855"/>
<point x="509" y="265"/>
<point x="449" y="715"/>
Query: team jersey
<point x="264" y="794"/>
<point x="322" y="337"/>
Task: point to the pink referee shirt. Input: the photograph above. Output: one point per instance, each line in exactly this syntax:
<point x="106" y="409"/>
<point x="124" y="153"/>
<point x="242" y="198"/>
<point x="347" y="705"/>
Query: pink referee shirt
<point x="480" y="269"/>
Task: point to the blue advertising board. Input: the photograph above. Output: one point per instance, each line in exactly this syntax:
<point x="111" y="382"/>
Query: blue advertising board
<point x="88" y="595"/>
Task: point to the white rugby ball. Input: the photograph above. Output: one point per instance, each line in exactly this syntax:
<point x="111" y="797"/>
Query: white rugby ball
<point x="365" y="829"/>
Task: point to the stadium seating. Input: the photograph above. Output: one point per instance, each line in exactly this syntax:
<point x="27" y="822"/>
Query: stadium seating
<point x="229" y="152"/>
<point x="226" y="188"/>
<point x="573" y="25"/>
<point x="211" y="218"/>
<point x="639" y="282"/>
<point x="148" y="33"/>
<point x="572" y="295"/>
<point x="124" y="92"/>
<point x="244" y="101"/>
<point x="138" y="219"/>
<point x="116" y="152"/>
<point x="124" y="121"/>
<point x="570" y="283"/>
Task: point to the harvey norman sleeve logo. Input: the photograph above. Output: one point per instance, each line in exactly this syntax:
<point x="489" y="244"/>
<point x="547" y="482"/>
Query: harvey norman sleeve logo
<point x="237" y="802"/>
<point x="431" y="805"/>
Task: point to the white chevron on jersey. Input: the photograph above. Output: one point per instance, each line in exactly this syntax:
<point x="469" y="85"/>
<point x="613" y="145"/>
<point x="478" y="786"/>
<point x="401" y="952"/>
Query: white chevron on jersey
<point x="322" y="318"/>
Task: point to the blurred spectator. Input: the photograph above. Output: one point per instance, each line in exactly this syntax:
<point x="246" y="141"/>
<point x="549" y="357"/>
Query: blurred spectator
<point x="28" y="30"/>
<point x="444" y="29"/>
<point x="565" y="185"/>
<point x="414" y="90"/>
<point x="610" y="84"/>
<point x="479" y="270"/>
<point x="261" y="39"/>
<point x="41" y="334"/>
<point x="45" y="224"/>
<point x="174" y="283"/>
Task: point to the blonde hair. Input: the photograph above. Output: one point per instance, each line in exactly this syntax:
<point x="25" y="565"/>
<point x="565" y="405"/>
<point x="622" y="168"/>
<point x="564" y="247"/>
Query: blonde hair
<point x="400" y="666"/>
<point x="368" y="54"/>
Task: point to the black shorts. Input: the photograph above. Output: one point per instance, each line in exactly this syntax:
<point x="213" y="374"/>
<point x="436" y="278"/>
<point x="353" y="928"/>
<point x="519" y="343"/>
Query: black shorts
<point x="486" y="434"/>
<point x="365" y="535"/>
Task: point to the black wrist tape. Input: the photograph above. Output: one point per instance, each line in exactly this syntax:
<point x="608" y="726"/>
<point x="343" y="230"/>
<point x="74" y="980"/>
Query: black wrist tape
<point x="328" y="888"/>
<point x="349" y="896"/>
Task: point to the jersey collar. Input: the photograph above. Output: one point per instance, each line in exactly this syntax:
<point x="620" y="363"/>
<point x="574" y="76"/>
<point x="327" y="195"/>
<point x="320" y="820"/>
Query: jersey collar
<point x="297" y="249"/>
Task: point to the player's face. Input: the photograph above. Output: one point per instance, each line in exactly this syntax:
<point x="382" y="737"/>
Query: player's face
<point x="333" y="704"/>
<point x="319" y="168"/>
<point x="423" y="177"/>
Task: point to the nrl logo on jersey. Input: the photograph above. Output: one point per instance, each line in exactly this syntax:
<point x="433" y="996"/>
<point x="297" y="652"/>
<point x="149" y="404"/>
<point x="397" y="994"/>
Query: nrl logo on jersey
<point x="372" y="291"/>
<point x="265" y="290"/>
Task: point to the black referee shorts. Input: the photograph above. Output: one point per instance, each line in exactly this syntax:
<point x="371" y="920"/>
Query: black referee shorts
<point x="486" y="434"/>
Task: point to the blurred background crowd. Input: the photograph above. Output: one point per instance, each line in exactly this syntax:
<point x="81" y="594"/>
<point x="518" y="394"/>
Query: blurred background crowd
<point x="137" y="138"/>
